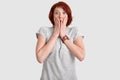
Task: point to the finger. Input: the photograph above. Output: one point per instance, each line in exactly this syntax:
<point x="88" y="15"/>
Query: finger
<point x="61" y="22"/>
<point x="56" y="21"/>
<point x="65" y="21"/>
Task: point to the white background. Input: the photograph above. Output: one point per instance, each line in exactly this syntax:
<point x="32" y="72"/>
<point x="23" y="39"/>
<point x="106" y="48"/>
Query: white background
<point x="98" y="20"/>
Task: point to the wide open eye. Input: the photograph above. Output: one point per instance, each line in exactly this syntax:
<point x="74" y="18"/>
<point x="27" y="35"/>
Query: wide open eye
<point x="56" y="12"/>
<point x="64" y="12"/>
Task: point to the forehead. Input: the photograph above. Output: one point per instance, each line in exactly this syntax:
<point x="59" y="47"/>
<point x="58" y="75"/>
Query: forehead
<point x="59" y="9"/>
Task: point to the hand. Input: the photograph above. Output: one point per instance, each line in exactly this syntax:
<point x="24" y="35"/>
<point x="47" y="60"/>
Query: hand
<point x="63" y="27"/>
<point x="56" y="26"/>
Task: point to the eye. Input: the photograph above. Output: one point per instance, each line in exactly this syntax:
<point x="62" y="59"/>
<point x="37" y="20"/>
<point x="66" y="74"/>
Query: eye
<point x="64" y="12"/>
<point x="56" y="12"/>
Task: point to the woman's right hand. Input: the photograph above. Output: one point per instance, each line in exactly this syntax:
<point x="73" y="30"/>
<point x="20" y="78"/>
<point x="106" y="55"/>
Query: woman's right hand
<point x="57" y="26"/>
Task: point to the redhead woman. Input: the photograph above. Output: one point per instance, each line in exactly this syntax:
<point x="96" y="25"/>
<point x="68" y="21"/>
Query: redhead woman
<point x="59" y="45"/>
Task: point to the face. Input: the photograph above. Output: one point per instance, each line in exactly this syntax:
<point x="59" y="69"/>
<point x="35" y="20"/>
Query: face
<point x="60" y="13"/>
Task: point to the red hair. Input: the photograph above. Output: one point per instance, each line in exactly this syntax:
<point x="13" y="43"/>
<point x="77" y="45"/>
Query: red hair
<point x="65" y="7"/>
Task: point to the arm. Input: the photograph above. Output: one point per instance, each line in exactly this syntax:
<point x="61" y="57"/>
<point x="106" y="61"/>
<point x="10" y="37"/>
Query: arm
<point x="43" y="49"/>
<point x="76" y="47"/>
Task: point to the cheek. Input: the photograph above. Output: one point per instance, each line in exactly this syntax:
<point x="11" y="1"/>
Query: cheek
<point x="55" y="16"/>
<point x="66" y="16"/>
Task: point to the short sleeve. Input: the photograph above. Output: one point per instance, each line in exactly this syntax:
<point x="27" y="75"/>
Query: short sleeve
<point x="41" y="31"/>
<point x="77" y="33"/>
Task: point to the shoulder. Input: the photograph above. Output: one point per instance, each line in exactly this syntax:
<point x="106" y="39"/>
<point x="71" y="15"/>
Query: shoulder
<point x="44" y="29"/>
<point x="76" y="32"/>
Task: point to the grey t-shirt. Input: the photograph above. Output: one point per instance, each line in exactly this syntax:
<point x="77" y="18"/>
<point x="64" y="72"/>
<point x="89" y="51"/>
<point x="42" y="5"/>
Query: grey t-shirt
<point x="60" y="64"/>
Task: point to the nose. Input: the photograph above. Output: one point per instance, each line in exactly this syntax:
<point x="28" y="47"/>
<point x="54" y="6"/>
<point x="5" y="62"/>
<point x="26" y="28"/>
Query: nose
<point x="60" y="15"/>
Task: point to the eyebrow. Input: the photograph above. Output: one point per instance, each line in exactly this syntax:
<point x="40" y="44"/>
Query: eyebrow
<point x="58" y="10"/>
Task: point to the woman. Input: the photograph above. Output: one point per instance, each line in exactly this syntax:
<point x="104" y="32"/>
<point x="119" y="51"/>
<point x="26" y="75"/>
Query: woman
<point x="57" y="46"/>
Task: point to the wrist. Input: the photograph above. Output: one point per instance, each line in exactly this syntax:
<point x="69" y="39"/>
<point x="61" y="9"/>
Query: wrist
<point x="64" y="38"/>
<point x="55" y="35"/>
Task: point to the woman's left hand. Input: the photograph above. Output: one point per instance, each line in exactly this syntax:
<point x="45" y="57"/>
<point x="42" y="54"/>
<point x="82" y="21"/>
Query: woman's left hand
<point x="63" y="27"/>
